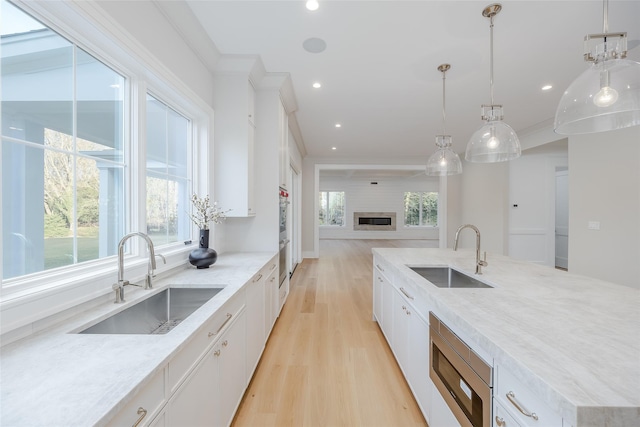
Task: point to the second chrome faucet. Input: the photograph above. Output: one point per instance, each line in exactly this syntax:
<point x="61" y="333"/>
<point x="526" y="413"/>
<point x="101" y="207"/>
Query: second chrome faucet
<point x="479" y="263"/>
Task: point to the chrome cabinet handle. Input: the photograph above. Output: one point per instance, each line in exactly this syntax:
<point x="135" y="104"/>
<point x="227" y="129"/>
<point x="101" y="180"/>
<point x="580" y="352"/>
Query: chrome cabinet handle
<point x="257" y="278"/>
<point x="500" y="421"/>
<point x="405" y="293"/>
<point x="229" y="316"/>
<point x="512" y="398"/>
<point x="379" y="268"/>
<point x="143" y="413"/>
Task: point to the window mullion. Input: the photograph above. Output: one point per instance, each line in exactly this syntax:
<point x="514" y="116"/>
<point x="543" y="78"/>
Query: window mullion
<point x="74" y="157"/>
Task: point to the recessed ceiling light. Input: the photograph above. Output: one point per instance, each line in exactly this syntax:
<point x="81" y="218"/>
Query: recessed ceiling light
<point x="312" y="4"/>
<point x="546" y="87"/>
<point x="338" y="125"/>
<point x="333" y="148"/>
<point x="317" y="85"/>
<point x="314" y="45"/>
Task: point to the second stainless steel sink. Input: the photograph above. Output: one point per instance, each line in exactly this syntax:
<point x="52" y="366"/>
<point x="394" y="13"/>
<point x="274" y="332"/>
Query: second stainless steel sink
<point x="446" y="277"/>
<point x="157" y="314"/>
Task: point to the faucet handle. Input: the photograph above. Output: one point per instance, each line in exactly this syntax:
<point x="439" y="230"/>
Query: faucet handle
<point x="484" y="262"/>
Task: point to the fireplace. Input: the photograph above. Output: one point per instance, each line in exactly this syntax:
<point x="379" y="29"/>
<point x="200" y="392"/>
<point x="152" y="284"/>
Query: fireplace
<point x="374" y="221"/>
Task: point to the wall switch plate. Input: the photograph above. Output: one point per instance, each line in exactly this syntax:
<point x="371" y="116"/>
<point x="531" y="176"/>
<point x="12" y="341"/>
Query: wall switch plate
<point x="593" y="225"/>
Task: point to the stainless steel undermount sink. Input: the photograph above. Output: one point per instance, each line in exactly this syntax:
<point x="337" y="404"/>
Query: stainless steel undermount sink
<point x="157" y="314"/>
<point x="446" y="277"/>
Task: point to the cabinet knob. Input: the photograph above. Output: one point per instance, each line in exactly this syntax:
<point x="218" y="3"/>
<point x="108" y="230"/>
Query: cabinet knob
<point x="500" y="421"/>
<point x="225" y="343"/>
<point x="216" y="353"/>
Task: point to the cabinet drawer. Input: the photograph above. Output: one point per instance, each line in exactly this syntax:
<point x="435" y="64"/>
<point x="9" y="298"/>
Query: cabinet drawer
<point x="149" y="399"/>
<point x="382" y="266"/>
<point x="502" y="418"/>
<point x="516" y="397"/>
<point x="181" y="364"/>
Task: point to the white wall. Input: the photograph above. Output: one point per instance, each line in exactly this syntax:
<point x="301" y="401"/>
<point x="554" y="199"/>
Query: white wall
<point x="531" y="204"/>
<point x="484" y="204"/>
<point x="604" y="186"/>
<point x="385" y="196"/>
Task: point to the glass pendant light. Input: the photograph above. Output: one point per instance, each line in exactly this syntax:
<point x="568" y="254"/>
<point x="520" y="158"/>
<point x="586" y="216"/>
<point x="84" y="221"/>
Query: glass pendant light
<point x="607" y="95"/>
<point x="495" y="141"/>
<point x="444" y="161"/>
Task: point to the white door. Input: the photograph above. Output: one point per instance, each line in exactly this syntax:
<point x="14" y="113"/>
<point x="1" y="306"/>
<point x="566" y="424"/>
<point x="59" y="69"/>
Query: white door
<point x="562" y="219"/>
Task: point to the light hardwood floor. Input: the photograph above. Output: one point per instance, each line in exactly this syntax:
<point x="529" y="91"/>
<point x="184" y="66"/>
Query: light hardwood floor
<point x="327" y="362"/>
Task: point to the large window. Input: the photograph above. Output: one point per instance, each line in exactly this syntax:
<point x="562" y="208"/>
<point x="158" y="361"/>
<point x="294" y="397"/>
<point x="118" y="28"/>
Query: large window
<point x="62" y="150"/>
<point x="168" y="183"/>
<point x="331" y="210"/>
<point x="69" y="191"/>
<point x="420" y="209"/>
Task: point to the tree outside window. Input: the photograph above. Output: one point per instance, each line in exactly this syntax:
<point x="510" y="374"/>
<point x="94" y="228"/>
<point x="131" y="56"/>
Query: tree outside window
<point x="420" y="209"/>
<point x="331" y="210"/>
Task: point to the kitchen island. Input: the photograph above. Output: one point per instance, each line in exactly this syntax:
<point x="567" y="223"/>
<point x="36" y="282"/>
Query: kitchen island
<point x="61" y="378"/>
<point x="573" y="340"/>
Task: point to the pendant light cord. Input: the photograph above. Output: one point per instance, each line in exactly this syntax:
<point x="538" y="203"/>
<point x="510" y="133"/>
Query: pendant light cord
<point x="491" y="57"/>
<point x="605" y="16"/>
<point x="443" y="104"/>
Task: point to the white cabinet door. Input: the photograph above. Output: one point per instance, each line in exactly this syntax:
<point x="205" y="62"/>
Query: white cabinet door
<point x="441" y="415"/>
<point x="377" y="296"/>
<point x="231" y="371"/>
<point x="195" y="402"/>
<point x="271" y="301"/>
<point x="419" y="363"/>
<point x="255" y="322"/>
<point x="400" y="334"/>
<point x="387" y="310"/>
<point x="234" y="131"/>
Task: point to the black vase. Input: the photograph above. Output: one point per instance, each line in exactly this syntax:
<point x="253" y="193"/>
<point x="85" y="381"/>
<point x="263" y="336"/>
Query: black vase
<point x="203" y="257"/>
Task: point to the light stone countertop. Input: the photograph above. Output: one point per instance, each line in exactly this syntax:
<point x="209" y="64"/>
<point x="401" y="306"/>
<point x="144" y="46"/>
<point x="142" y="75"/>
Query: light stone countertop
<point x="57" y="378"/>
<point x="574" y="340"/>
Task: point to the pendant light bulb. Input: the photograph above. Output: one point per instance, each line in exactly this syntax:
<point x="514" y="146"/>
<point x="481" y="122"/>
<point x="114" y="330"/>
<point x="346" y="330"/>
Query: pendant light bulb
<point x="444" y="161"/>
<point x="606" y="96"/>
<point x="493" y="142"/>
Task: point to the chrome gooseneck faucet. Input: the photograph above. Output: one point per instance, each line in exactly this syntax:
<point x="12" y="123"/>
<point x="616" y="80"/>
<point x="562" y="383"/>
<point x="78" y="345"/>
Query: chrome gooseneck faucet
<point x="119" y="286"/>
<point x="479" y="263"/>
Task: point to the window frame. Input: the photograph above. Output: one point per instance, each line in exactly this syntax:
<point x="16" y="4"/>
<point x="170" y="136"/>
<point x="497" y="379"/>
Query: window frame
<point x="404" y="216"/>
<point x="344" y="208"/>
<point x="80" y="24"/>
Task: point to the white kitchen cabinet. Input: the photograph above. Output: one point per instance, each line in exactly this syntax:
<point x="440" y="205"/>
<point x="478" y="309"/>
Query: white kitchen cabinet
<point x="271" y="301"/>
<point x="256" y="319"/>
<point x="501" y="417"/>
<point x="195" y="401"/>
<point x="213" y="389"/>
<point x="419" y="363"/>
<point x="441" y="415"/>
<point x="234" y="136"/>
<point x="400" y="334"/>
<point x="406" y="331"/>
<point x="145" y="406"/>
<point x="377" y="296"/>
<point x="517" y="399"/>
<point x="284" y="148"/>
<point x="232" y="380"/>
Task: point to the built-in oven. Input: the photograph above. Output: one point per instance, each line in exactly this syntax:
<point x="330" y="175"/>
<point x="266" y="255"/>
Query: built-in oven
<point x="283" y="236"/>
<point x="461" y="376"/>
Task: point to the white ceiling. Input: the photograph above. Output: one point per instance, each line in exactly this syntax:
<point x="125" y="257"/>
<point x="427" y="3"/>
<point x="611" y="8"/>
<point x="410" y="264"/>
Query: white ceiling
<point x="379" y="71"/>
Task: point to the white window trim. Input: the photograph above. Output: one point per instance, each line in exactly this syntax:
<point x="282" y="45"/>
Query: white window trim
<point x="28" y="299"/>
